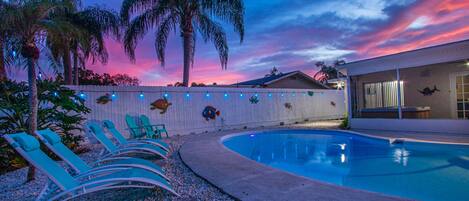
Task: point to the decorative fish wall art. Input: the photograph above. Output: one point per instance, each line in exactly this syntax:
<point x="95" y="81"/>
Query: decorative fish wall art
<point x="427" y="91"/>
<point x="210" y="113"/>
<point x="288" y="106"/>
<point x="161" y="104"/>
<point x="104" y="99"/>
<point x="333" y="103"/>
<point x="254" y="99"/>
<point x="310" y="93"/>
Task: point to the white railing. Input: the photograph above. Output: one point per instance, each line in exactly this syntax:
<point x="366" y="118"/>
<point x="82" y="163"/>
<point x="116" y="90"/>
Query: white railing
<point x="184" y="116"/>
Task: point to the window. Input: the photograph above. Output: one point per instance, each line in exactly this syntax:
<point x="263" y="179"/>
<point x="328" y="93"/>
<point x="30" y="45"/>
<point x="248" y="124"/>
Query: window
<point x="462" y="96"/>
<point x="382" y="94"/>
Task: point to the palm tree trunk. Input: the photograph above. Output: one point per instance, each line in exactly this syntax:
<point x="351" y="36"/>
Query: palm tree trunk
<point x="3" y="72"/>
<point x="33" y="104"/>
<point x="75" y="70"/>
<point x="187" y="43"/>
<point x="67" y="63"/>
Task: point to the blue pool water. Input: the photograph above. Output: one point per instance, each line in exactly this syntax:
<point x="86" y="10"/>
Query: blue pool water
<point x="419" y="171"/>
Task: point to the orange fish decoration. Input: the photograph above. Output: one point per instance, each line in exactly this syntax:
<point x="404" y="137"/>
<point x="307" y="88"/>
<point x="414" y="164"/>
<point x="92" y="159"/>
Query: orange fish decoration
<point x="161" y="104"/>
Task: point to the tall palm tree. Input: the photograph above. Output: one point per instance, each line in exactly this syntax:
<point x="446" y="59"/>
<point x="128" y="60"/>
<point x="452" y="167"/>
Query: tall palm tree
<point x="85" y="41"/>
<point x="32" y="21"/>
<point x="188" y="16"/>
<point x="5" y="38"/>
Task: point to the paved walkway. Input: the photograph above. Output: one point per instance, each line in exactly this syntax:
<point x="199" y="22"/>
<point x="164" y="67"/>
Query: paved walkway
<point x="245" y="179"/>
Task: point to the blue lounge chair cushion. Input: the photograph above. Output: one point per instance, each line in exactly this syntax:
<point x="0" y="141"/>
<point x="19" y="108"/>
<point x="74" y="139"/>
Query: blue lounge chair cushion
<point x="27" y="142"/>
<point x="51" y="137"/>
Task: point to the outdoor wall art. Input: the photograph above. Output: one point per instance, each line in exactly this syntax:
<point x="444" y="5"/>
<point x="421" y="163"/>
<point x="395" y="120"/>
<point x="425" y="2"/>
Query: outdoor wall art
<point x="161" y="104"/>
<point x="254" y="99"/>
<point x="210" y="113"/>
<point x="427" y="91"/>
<point x="288" y="106"/>
<point x="104" y="99"/>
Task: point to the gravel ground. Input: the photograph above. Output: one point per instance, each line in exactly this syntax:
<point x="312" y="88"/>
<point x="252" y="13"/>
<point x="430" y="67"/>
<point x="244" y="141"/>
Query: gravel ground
<point x="184" y="181"/>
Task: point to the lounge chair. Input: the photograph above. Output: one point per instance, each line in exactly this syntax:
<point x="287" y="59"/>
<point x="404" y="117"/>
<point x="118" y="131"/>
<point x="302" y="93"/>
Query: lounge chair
<point x="68" y="187"/>
<point x="134" y="142"/>
<point x="146" y="149"/>
<point x="135" y="130"/>
<point x="153" y="130"/>
<point x="53" y="141"/>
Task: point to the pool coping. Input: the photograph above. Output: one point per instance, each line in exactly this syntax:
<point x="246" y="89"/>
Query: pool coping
<point x="245" y="179"/>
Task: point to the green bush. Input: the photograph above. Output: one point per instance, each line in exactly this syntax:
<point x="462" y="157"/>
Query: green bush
<point x="60" y="109"/>
<point x="344" y="124"/>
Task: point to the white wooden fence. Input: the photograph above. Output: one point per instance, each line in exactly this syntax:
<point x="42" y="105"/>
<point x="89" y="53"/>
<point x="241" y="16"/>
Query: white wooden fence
<point x="184" y="116"/>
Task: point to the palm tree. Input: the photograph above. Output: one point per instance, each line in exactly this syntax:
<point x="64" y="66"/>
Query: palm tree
<point x="188" y="16"/>
<point x="32" y="21"/>
<point x="5" y="33"/>
<point x="327" y="72"/>
<point x="85" y="41"/>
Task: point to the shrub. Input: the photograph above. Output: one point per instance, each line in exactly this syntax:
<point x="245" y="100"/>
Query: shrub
<point x="59" y="109"/>
<point x="344" y="124"/>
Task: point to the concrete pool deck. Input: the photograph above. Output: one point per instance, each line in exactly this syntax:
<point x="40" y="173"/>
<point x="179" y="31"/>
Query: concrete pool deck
<point x="245" y="179"/>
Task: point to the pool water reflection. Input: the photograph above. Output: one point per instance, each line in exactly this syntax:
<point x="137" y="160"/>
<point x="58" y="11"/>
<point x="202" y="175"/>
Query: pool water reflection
<point x="420" y="171"/>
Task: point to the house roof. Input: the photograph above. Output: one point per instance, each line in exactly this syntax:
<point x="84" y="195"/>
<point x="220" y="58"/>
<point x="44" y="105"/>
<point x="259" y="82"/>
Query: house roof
<point x="274" y="78"/>
<point x="449" y="52"/>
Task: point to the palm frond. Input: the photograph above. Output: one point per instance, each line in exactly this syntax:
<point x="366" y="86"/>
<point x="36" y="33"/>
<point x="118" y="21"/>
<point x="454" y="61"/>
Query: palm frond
<point x="211" y="30"/>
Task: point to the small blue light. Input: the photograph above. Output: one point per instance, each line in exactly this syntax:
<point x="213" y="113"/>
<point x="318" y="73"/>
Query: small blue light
<point x="241" y="95"/>
<point x="270" y="95"/>
<point x="282" y="94"/>
<point x="56" y="94"/>
<point x="141" y="95"/>
<point x="40" y="75"/>
<point x="226" y="95"/>
<point x="252" y="135"/>
<point x="113" y="95"/>
<point x="256" y="95"/>
<point x="14" y="53"/>
<point x="188" y="95"/>
<point x="207" y="95"/>
<point x="166" y="95"/>
<point x="293" y="94"/>
<point x="82" y="95"/>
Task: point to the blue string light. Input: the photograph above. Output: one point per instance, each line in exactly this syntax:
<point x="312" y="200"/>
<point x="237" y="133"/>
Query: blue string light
<point x="241" y="95"/>
<point x="256" y="95"/>
<point x="293" y="94"/>
<point x="270" y="95"/>
<point x="226" y="95"/>
<point x="207" y="95"/>
<point x="82" y="95"/>
<point x="166" y="95"/>
<point x="56" y="94"/>
<point x="141" y="96"/>
<point x="282" y="94"/>
<point x="188" y="95"/>
<point x="113" y="95"/>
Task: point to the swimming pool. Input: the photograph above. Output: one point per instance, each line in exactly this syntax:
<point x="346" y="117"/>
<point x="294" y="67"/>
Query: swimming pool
<point x="421" y="171"/>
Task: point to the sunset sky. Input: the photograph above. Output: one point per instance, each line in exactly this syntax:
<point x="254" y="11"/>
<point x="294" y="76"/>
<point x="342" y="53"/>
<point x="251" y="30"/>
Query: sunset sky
<point x="294" y="34"/>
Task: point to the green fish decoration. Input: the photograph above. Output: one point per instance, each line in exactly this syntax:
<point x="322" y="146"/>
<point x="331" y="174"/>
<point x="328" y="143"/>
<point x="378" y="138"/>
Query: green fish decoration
<point x="310" y="93"/>
<point x="254" y="99"/>
<point x="104" y="99"/>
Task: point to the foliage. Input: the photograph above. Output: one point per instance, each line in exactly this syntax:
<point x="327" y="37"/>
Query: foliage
<point x="88" y="77"/>
<point x="345" y="124"/>
<point x="186" y="17"/>
<point x="273" y="72"/>
<point x="327" y="72"/>
<point x="59" y="109"/>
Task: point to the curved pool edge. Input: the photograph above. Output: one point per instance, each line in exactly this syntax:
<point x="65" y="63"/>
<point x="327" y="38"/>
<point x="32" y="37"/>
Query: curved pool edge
<point x="245" y="179"/>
